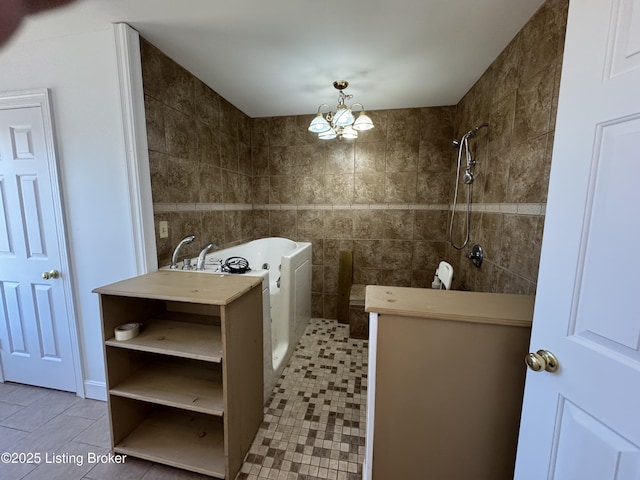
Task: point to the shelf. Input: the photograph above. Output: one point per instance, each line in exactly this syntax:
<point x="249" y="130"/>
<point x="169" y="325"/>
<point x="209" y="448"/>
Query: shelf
<point x="190" y="441"/>
<point x="187" y="385"/>
<point x="172" y="398"/>
<point x="179" y="339"/>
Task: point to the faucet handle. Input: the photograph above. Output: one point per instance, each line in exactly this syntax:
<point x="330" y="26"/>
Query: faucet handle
<point x="186" y="265"/>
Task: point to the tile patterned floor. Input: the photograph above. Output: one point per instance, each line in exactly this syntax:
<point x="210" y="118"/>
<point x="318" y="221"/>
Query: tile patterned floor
<point x="313" y="426"/>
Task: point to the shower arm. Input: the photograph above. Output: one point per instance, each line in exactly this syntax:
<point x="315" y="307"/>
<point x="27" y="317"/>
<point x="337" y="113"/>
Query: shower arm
<point x="472" y="133"/>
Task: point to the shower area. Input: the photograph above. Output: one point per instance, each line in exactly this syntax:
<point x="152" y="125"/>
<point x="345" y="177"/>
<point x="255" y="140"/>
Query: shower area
<point x="508" y="161"/>
<point x="498" y="182"/>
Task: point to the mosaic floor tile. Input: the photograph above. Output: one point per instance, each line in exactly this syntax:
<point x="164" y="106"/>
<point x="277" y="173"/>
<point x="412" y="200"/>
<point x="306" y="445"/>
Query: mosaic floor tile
<point x="314" y="422"/>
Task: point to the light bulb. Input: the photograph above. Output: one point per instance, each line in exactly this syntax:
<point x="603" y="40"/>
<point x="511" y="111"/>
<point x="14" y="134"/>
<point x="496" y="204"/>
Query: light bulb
<point x="343" y="117"/>
<point x="349" y="133"/>
<point x="328" y="135"/>
<point x="363" y="122"/>
<point x="319" y="124"/>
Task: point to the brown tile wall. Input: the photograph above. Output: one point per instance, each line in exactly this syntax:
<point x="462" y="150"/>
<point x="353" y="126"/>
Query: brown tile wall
<point x="384" y="196"/>
<point x="372" y="196"/>
<point x="200" y="158"/>
<point x="518" y="97"/>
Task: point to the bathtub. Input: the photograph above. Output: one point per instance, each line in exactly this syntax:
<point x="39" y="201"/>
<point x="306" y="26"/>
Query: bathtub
<point x="285" y="268"/>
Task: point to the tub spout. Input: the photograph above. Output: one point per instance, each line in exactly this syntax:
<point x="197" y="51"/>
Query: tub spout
<point x="203" y="254"/>
<point x="185" y="241"/>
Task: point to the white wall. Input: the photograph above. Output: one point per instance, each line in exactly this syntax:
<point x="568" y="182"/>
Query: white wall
<point x="80" y="71"/>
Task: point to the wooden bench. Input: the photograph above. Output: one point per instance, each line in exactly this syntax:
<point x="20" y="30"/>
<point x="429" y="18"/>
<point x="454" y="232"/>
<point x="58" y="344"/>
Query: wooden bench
<point x="358" y="318"/>
<point x="351" y="299"/>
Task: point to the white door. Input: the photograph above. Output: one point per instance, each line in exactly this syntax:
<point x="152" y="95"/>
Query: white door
<point x="35" y="338"/>
<point x="583" y="422"/>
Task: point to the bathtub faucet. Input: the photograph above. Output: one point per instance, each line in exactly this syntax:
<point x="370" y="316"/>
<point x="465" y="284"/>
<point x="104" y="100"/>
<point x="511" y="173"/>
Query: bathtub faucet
<point x="203" y="254"/>
<point x="185" y="241"/>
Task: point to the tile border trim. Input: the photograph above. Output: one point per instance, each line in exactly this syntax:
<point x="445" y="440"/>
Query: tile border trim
<point x="504" y="208"/>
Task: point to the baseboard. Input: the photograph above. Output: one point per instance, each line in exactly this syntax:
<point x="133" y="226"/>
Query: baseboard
<point x="95" y="390"/>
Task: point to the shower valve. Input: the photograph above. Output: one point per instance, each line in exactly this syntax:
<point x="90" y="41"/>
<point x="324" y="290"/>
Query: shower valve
<point x="476" y="255"/>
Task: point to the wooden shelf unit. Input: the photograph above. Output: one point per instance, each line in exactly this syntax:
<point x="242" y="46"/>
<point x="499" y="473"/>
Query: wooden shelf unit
<point x="187" y="391"/>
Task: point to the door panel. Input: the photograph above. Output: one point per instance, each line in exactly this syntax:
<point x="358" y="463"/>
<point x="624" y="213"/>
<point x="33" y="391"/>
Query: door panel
<point x="612" y="189"/>
<point x="600" y="453"/>
<point x="22" y="142"/>
<point x="13" y="318"/>
<point x="31" y="216"/>
<point x="5" y="233"/>
<point x="45" y="317"/>
<point x="35" y="337"/>
<point x="623" y="54"/>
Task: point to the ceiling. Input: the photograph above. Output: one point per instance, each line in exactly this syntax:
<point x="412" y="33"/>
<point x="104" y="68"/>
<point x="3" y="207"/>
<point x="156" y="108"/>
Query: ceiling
<point x="280" y="57"/>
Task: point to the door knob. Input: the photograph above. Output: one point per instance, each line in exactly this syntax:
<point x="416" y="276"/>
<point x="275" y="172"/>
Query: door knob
<point x="542" y="360"/>
<point x="50" y="274"/>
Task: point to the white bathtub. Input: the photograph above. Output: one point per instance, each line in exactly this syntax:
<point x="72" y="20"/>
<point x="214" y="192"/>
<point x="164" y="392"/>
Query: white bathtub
<point x="287" y="307"/>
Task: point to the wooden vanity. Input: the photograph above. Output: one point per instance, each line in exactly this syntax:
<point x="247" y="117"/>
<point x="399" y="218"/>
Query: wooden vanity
<point x="187" y="390"/>
<point x="446" y="377"/>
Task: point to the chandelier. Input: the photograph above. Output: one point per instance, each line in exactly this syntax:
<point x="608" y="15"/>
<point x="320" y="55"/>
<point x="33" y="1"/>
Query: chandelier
<point x="342" y="123"/>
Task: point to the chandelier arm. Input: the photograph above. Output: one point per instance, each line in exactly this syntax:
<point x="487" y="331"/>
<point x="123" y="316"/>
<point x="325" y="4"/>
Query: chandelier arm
<point x="324" y="105"/>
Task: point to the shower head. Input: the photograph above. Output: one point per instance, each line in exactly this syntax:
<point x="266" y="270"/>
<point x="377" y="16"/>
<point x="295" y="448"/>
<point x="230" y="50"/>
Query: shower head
<point x="468" y="177"/>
